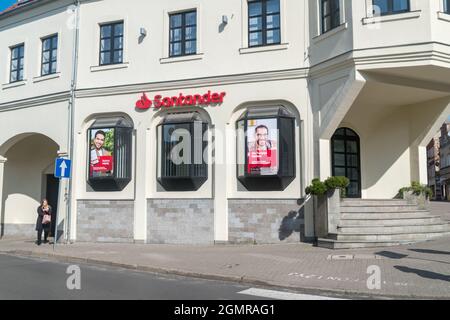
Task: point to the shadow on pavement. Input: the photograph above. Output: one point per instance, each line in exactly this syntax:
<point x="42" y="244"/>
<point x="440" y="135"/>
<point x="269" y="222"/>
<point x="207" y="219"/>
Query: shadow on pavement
<point x="391" y="255"/>
<point x="424" y="273"/>
<point x="430" y="251"/>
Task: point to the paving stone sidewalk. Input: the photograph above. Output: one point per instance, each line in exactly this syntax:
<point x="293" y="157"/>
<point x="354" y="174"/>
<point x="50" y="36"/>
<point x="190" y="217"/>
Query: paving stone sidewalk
<point x="413" y="271"/>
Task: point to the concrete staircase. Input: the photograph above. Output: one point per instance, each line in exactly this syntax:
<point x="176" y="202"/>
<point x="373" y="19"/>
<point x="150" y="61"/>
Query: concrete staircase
<point x="381" y="223"/>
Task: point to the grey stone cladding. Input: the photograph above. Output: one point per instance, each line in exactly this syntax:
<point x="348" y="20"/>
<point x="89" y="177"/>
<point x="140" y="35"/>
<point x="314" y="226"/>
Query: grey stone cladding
<point x="24" y="231"/>
<point x="180" y="221"/>
<point x="105" y="221"/>
<point x="265" y="221"/>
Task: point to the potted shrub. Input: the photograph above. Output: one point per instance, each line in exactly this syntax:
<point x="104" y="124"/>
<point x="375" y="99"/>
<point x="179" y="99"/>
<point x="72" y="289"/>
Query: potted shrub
<point x="327" y="203"/>
<point x="417" y="194"/>
<point x="317" y="190"/>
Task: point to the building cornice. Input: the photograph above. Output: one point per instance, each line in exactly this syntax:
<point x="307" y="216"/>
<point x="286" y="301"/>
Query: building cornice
<point x="301" y="73"/>
<point x="35" y="101"/>
<point x="368" y="58"/>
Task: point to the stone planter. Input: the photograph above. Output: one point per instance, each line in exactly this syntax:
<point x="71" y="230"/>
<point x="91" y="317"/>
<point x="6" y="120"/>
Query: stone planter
<point x="420" y="200"/>
<point x="327" y="210"/>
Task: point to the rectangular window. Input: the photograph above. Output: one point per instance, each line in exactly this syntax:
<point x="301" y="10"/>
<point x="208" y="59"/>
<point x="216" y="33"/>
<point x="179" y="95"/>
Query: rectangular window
<point x="111" y="43"/>
<point x="331" y="14"/>
<point x="264" y="26"/>
<point x="386" y="7"/>
<point x="183" y="34"/>
<point x="17" y="60"/>
<point x="447" y="6"/>
<point x="49" y="55"/>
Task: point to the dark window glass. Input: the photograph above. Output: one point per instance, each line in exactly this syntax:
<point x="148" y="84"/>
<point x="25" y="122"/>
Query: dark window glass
<point x="263" y="22"/>
<point x="447" y="6"/>
<point x="345" y="146"/>
<point x="183" y="34"/>
<point x="391" y="6"/>
<point x="49" y="55"/>
<point x="331" y="14"/>
<point x="17" y="59"/>
<point x="183" y="149"/>
<point x="111" y="43"/>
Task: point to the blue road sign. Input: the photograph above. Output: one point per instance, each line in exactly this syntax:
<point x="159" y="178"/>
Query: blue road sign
<point x="62" y="168"/>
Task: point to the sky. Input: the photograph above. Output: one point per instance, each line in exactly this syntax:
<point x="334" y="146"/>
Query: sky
<point x="6" y="3"/>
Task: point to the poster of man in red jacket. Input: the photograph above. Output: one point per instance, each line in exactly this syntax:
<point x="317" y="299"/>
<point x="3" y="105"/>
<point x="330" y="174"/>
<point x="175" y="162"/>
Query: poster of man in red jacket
<point x="101" y="153"/>
<point x="262" y="147"/>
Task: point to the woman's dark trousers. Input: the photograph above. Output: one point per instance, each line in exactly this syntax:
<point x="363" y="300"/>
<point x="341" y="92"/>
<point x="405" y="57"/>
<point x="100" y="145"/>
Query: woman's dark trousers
<point x="39" y="235"/>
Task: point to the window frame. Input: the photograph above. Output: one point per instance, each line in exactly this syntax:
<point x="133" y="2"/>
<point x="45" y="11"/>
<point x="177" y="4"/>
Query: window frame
<point x="111" y="38"/>
<point x="183" y="28"/>
<point x="122" y="168"/>
<point x="50" y="50"/>
<point x="264" y="28"/>
<point x="390" y="10"/>
<point x="195" y="174"/>
<point x="446" y="7"/>
<point x="18" y="59"/>
<point x="286" y="149"/>
<point x="332" y="12"/>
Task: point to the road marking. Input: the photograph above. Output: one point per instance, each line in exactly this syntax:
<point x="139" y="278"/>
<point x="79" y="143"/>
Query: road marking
<point x="280" y="295"/>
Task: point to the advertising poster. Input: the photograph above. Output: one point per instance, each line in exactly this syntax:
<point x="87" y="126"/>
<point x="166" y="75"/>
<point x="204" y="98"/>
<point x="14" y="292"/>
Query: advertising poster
<point x="101" y="152"/>
<point x="262" y="137"/>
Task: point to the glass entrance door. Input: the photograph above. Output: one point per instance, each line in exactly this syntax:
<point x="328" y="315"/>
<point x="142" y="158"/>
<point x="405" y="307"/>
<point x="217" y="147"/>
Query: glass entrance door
<point x="346" y="159"/>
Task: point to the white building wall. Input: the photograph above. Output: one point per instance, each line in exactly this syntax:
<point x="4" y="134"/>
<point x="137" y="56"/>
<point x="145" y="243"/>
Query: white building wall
<point x="319" y="77"/>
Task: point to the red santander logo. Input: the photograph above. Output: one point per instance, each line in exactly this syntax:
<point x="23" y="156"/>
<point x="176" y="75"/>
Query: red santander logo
<point x="144" y="103"/>
<point x="158" y="101"/>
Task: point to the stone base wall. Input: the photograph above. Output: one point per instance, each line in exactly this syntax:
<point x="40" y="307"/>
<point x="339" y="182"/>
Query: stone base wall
<point x="22" y="231"/>
<point x="105" y="221"/>
<point x="265" y="221"/>
<point x="180" y="221"/>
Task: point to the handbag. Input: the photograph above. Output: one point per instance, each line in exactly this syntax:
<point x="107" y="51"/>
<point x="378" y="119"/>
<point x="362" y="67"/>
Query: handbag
<point x="46" y="219"/>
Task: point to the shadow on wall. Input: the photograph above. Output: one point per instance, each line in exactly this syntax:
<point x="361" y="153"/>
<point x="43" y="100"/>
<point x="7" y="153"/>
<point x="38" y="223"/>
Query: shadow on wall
<point x="293" y="222"/>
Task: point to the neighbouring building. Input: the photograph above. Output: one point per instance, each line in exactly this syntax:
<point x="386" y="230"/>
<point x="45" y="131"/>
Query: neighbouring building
<point x="444" y="155"/>
<point x="433" y="162"/>
<point x="262" y="95"/>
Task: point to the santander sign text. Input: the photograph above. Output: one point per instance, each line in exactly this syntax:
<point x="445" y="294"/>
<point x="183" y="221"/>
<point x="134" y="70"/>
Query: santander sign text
<point x="158" y="101"/>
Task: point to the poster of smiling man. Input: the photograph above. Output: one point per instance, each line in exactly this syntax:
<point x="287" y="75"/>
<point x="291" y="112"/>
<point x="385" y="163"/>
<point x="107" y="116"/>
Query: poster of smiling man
<point x="262" y="137"/>
<point x="101" y="152"/>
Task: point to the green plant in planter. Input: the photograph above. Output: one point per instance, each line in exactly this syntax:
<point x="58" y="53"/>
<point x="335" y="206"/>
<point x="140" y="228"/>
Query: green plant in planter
<point x="340" y="183"/>
<point x="316" y="188"/>
<point x="417" y="189"/>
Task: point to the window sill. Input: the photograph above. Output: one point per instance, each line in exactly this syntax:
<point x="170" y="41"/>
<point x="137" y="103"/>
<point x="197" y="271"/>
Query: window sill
<point x="393" y="17"/>
<point x="46" y="77"/>
<point x="190" y="57"/>
<point x="110" y="67"/>
<point x="330" y="33"/>
<point x="276" y="47"/>
<point x="14" y="84"/>
<point x="444" y="16"/>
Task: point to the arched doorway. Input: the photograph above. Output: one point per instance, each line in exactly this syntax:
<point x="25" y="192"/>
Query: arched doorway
<point x="27" y="179"/>
<point x="346" y="159"/>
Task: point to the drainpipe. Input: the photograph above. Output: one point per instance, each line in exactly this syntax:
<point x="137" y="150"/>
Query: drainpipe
<point x="73" y="87"/>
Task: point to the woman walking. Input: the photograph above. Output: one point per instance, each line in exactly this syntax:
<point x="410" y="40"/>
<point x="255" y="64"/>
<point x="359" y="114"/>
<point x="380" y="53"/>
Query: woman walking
<point x="43" y="221"/>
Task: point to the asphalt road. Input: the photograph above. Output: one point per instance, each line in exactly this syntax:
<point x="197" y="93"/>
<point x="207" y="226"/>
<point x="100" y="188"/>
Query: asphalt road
<point x="36" y="279"/>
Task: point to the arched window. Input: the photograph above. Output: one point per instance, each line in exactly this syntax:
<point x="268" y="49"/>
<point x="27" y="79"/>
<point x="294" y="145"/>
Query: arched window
<point x="266" y="149"/>
<point x="110" y="156"/>
<point x="182" y="144"/>
<point x="346" y="159"/>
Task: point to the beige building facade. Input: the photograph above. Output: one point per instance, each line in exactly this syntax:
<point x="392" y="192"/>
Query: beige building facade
<point x="355" y="93"/>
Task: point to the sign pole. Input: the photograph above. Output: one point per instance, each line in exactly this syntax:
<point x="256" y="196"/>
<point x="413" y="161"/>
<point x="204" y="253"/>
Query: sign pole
<point x="55" y="229"/>
<point x="63" y="168"/>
